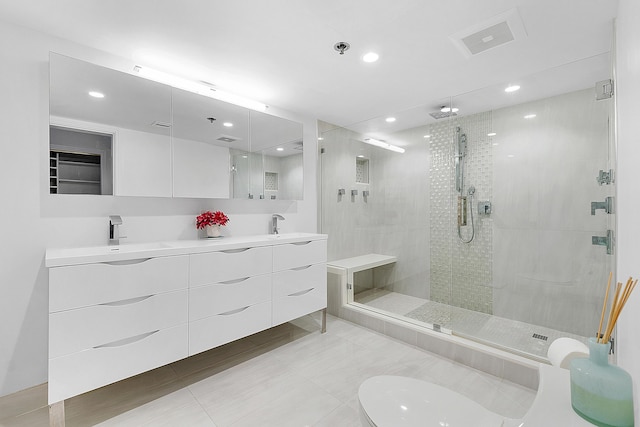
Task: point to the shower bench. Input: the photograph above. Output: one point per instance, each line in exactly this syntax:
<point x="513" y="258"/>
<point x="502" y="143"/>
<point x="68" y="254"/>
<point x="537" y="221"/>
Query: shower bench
<point x="347" y="267"/>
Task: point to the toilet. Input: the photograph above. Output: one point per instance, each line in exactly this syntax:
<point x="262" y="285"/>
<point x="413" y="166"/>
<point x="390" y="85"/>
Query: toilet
<point x="393" y="401"/>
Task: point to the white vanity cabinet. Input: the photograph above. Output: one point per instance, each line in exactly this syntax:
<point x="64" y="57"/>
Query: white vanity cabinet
<point x="229" y="296"/>
<point x="299" y="279"/>
<point x="112" y="320"/>
<point x="115" y="312"/>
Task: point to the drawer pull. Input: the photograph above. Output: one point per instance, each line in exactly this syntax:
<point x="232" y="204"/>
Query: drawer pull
<point x="302" y="268"/>
<point x="228" y="313"/>
<point x="127" y="341"/>
<point x="301" y="243"/>
<point x="233" y="282"/>
<point x="235" y="251"/>
<point x="126" y="301"/>
<point x="127" y="261"/>
<point x="297" y="294"/>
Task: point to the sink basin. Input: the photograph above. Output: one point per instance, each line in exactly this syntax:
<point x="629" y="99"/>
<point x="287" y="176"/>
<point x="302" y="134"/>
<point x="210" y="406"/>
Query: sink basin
<point x="286" y="236"/>
<point x="136" y="247"/>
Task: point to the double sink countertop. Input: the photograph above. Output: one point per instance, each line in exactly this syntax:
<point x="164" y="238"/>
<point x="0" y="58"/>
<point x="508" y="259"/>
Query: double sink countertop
<point x="57" y="257"/>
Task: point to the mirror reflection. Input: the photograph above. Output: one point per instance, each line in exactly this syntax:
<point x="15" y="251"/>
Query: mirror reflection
<point x="277" y="165"/>
<point x="109" y="121"/>
<point x="205" y="131"/>
<point x="116" y="133"/>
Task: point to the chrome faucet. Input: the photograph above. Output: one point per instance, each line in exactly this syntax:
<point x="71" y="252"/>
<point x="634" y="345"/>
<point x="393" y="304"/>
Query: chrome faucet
<point x="114" y="229"/>
<point x="274" y="223"/>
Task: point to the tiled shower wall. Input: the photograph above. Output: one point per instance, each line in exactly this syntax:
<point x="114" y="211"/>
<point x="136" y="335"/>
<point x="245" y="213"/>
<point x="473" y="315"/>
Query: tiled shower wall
<point x="532" y="259"/>
<point x="461" y="273"/>
<point x="392" y="220"/>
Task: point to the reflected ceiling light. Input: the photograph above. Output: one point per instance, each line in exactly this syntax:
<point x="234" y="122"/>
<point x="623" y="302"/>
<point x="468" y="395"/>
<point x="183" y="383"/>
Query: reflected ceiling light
<point x="360" y="156"/>
<point x="427" y="136"/>
<point x="529" y="116"/>
<point x="511" y="88"/>
<point x="491" y="134"/>
<point x="96" y="94"/>
<point x="384" y="145"/>
<point x="370" y="57"/>
<point x="279" y="149"/>
<point x="449" y="110"/>
<point x="227" y="124"/>
<point x="511" y="156"/>
<point x="199" y="88"/>
<point x="495" y="143"/>
<point x="320" y="139"/>
<point x="390" y="119"/>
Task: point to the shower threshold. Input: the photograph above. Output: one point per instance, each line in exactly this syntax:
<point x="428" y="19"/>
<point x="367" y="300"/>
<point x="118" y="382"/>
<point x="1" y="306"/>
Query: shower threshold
<point x="517" y="337"/>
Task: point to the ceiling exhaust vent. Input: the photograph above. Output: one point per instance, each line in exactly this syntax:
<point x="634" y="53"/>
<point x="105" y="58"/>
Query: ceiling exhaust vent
<point x="494" y="32"/>
<point x="227" y="138"/>
<point x="161" y="124"/>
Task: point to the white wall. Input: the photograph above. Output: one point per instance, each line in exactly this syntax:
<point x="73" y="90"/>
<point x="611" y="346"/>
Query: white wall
<point x="33" y="220"/>
<point x="628" y="179"/>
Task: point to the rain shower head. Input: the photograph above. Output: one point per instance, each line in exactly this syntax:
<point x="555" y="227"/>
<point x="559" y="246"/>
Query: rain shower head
<point x="442" y="114"/>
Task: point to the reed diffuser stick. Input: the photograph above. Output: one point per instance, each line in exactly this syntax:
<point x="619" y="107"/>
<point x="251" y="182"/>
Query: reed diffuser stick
<point x="604" y="307"/>
<point x="619" y="300"/>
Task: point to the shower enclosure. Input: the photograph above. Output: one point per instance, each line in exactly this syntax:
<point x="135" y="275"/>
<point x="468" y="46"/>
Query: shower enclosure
<point x="487" y="210"/>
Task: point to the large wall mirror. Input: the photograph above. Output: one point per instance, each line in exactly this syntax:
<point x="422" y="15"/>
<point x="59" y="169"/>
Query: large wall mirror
<point x="114" y="133"/>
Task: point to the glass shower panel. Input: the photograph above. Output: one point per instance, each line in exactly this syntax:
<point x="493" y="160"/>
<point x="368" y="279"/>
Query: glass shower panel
<point x="531" y="274"/>
<point x="384" y="215"/>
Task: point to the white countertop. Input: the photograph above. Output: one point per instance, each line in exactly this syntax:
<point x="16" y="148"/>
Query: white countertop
<point x="552" y="405"/>
<point x="57" y="257"/>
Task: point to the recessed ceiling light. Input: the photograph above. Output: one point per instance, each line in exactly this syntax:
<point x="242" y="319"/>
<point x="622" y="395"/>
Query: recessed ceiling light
<point x="370" y="57"/>
<point x="360" y="156"/>
<point x="511" y="156"/>
<point x="279" y="149"/>
<point x="492" y="134"/>
<point x="390" y="119"/>
<point x="96" y="94"/>
<point x="511" y="88"/>
<point x="227" y="124"/>
<point x="449" y="110"/>
<point x="320" y="139"/>
<point x="427" y="136"/>
<point x="529" y="116"/>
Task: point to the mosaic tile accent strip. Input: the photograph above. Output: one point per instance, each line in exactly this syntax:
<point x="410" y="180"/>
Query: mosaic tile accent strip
<point x="461" y="273"/>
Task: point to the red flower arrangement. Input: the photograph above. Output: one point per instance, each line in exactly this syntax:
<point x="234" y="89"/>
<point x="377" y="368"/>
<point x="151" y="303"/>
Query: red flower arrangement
<point x="211" y="218"/>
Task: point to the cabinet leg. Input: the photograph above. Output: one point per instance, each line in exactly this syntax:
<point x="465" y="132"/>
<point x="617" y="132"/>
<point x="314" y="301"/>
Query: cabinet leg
<point x="324" y="320"/>
<point x="56" y="414"/>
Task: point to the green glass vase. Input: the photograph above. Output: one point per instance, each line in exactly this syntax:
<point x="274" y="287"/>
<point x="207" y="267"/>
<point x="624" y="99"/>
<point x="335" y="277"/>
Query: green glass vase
<point x="601" y="393"/>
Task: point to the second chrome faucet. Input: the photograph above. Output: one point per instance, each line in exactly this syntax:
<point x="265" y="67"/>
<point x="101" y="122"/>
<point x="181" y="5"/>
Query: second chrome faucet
<point x="274" y="223"/>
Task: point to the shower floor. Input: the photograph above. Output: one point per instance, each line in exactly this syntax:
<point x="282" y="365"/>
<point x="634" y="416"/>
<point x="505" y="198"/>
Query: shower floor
<point x="511" y="335"/>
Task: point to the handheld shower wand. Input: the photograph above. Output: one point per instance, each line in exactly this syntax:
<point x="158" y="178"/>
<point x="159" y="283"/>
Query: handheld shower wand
<point x="464" y="201"/>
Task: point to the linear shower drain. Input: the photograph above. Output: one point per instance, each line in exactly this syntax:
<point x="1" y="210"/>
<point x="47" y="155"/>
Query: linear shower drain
<point x="540" y="337"/>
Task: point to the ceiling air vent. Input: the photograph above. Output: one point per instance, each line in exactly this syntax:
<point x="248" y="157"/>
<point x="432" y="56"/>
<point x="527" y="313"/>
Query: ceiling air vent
<point x="161" y="124"/>
<point x="227" y="138"/>
<point x="494" y="32"/>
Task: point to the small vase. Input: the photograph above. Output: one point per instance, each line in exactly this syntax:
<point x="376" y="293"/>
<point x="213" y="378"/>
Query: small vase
<point x="601" y="393"/>
<point x="213" y="230"/>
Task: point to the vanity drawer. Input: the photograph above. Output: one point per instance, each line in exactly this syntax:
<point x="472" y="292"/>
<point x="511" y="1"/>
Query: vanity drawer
<point x="299" y="304"/>
<point x="209" y="300"/>
<point x="76" y="330"/>
<point x="288" y="282"/>
<point x="214" y="331"/>
<point x="293" y="255"/>
<point x="221" y="266"/>
<point x="90" y="284"/>
<point x="77" y="373"/>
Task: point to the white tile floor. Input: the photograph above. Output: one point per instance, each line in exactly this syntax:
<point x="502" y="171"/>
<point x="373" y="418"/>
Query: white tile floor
<point x="505" y="333"/>
<point x="290" y="375"/>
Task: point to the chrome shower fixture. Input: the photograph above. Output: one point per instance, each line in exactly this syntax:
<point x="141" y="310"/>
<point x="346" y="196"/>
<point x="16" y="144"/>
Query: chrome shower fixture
<point x="465" y="202"/>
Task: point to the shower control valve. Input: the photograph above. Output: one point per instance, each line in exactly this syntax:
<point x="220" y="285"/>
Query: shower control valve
<point x="484" y="208"/>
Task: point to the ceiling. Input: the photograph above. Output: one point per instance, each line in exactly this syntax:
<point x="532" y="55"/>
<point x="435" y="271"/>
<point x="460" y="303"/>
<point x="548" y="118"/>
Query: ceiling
<point x="280" y="52"/>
